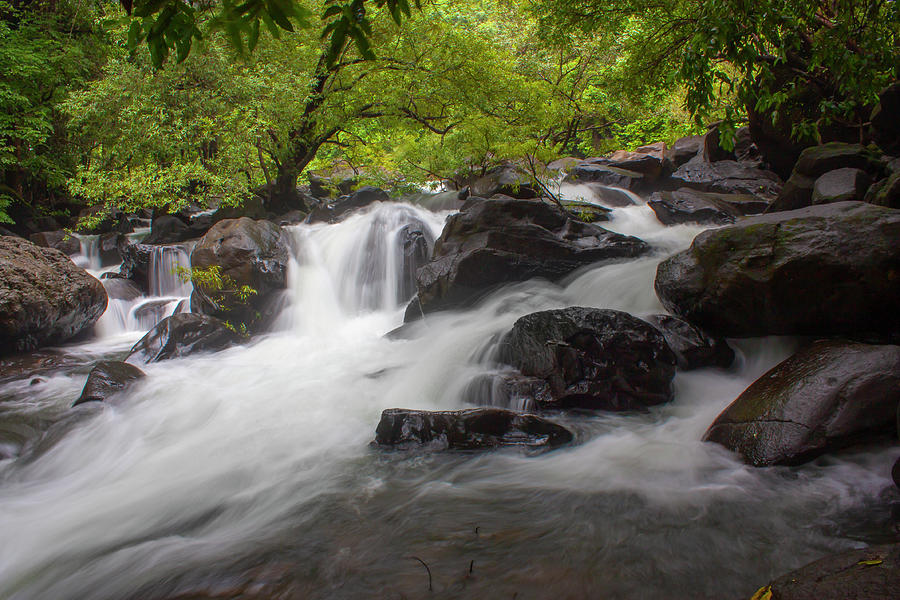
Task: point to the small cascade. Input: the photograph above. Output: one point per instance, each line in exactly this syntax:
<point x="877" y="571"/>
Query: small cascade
<point x="364" y="264"/>
<point x="165" y="265"/>
<point x="89" y="256"/>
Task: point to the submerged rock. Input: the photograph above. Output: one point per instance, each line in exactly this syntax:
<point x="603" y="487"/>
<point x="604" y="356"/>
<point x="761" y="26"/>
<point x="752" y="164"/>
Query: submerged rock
<point x="869" y="574"/>
<point x="44" y="298"/>
<point x="473" y="429"/>
<point x="691" y="206"/>
<point x="181" y="335"/>
<point x="829" y="395"/>
<point x="503" y="240"/>
<point x="592" y="358"/>
<point x="107" y="378"/>
<point x="247" y="253"/>
<point x="823" y="270"/>
<point x="693" y="347"/>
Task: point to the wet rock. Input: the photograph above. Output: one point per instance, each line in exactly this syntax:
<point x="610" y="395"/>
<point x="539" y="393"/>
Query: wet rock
<point x="182" y="335"/>
<point x="503" y="240"/>
<point x="610" y="196"/>
<point x="169" y="229"/>
<point x="895" y="473"/>
<point x="690" y="206"/>
<point x="106" y="379"/>
<point x="136" y="264"/>
<point x="725" y="177"/>
<point x="885" y="121"/>
<point x="248" y="253"/>
<point x="592" y="358"/>
<point x="473" y="429"/>
<point x="841" y="185"/>
<point x="816" y="161"/>
<point x="606" y="175"/>
<point x="646" y="160"/>
<point x="823" y="270"/>
<point x="508" y="180"/>
<point x="565" y="164"/>
<point x="827" y="396"/>
<point x="417" y="243"/>
<point x="693" y="347"/>
<point x="683" y="150"/>
<point x="586" y="212"/>
<point x="60" y="239"/>
<point x="869" y="574"/>
<point x="121" y="289"/>
<point x="361" y="198"/>
<point x="44" y="298"/>
<point x="336" y="184"/>
<point x="885" y="192"/>
<point x="713" y="150"/>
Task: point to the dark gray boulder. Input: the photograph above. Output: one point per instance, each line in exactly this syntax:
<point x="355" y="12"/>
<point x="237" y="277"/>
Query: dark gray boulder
<point x="691" y="206"/>
<point x="606" y="174"/>
<point x="473" y="429"/>
<point x="869" y="574"/>
<point x="823" y="270"/>
<point x="592" y="358"/>
<point x="44" y="298"/>
<point x="333" y="212"/>
<point x="693" y="347"/>
<point x="247" y="253"/>
<point x="885" y="192"/>
<point x="182" y="335"/>
<point x="508" y="180"/>
<point x="725" y="177"/>
<point x="60" y="239"/>
<point x="503" y="240"/>
<point x="827" y="396"/>
<point x="683" y="150"/>
<point x="135" y="266"/>
<point x="121" y="289"/>
<point x="841" y="185"/>
<point x="169" y="229"/>
<point x="106" y="379"/>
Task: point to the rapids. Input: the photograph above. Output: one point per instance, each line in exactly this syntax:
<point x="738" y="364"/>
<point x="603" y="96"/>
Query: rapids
<point x="251" y="469"/>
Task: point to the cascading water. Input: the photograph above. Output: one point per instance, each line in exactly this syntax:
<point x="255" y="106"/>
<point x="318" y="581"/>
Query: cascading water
<point x="249" y="471"/>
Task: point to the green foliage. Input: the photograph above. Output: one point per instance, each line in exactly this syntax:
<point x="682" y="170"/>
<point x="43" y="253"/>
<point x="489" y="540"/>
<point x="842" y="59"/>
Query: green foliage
<point x="215" y="286"/>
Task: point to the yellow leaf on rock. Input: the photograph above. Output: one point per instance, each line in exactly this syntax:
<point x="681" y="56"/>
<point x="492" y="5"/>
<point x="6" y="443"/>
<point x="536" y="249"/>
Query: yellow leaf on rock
<point x="763" y="593"/>
<point x="870" y="562"/>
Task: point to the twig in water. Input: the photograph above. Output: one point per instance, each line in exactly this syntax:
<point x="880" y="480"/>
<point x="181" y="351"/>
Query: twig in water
<point x="471" y="566"/>
<point x="424" y="564"/>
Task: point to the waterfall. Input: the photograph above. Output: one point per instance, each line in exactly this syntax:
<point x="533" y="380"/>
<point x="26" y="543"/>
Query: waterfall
<point x="165" y="277"/>
<point x="249" y="471"/>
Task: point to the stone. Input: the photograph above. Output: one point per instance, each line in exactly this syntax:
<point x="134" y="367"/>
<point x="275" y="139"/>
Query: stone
<point x="182" y="335"/>
<point x="869" y="574"/>
<point x="725" y="177"/>
<point x="44" y="298"/>
<point x="713" y="150"/>
<point x="493" y="242"/>
<point x="106" y="379"/>
<point x="683" y="150"/>
<point x="472" y="429"/>
<point x="885" y="192"/>
<point x="508" y="180"/>
<point x="121" y="289"/>
<point x="693" y="347"/>
<point x="592" y="358"/>
<point x="135" y="266"/>
<point x="168" y="229"/>
<point x="832" y="269"/>
<point x="691" y="206"/>
<point x="829" y="395"/>
<point x="841" y="185"/>
<point x="60" y="239"/>
<point x="247" y="253"/>
<point x="606" y="175"/>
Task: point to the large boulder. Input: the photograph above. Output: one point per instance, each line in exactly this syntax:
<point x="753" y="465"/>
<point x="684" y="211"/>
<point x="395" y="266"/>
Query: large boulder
<point x="841" y="185"/>
<point x="246" y="253"/>
<point x="473" y="429"/>
<point x="136" y="259"/>
<point x="683" y="150"/>
<point x="508" y="180"/>
<point x="691" y="206"/>
<point x="503" y="240"/>
<point x="592" y="358"/>
<point x="823" y="270"/>
<point x="885" y="192"/>
<point x="121" y="289"/>
<point x="828" y="395"/>
<point x="169" y="229"/>
<point x="106" y="379"/>
<point x="816" y="161"/>
<point x="182" y="335"/>
<point x="44" y="298"/>
<point x="868" y="574"/>
<point x="725" y="177"/>
<point x="59" y="239"/>
<point x="693" y="347"/>
<point x="333" y="212"/>
<point x="604" y="173"/>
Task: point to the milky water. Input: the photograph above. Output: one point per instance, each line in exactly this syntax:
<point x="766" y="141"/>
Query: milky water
<point x="249" y="472"/>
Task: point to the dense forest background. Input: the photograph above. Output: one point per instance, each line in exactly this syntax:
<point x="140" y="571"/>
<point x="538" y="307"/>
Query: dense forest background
<point x="155" y="104"/>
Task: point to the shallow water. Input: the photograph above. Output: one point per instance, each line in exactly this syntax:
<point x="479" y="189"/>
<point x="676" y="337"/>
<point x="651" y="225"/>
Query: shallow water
<point x="250" y="472"/>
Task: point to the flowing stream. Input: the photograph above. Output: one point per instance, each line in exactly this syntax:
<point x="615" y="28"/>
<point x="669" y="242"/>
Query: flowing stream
<point x="248" y="473"/>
